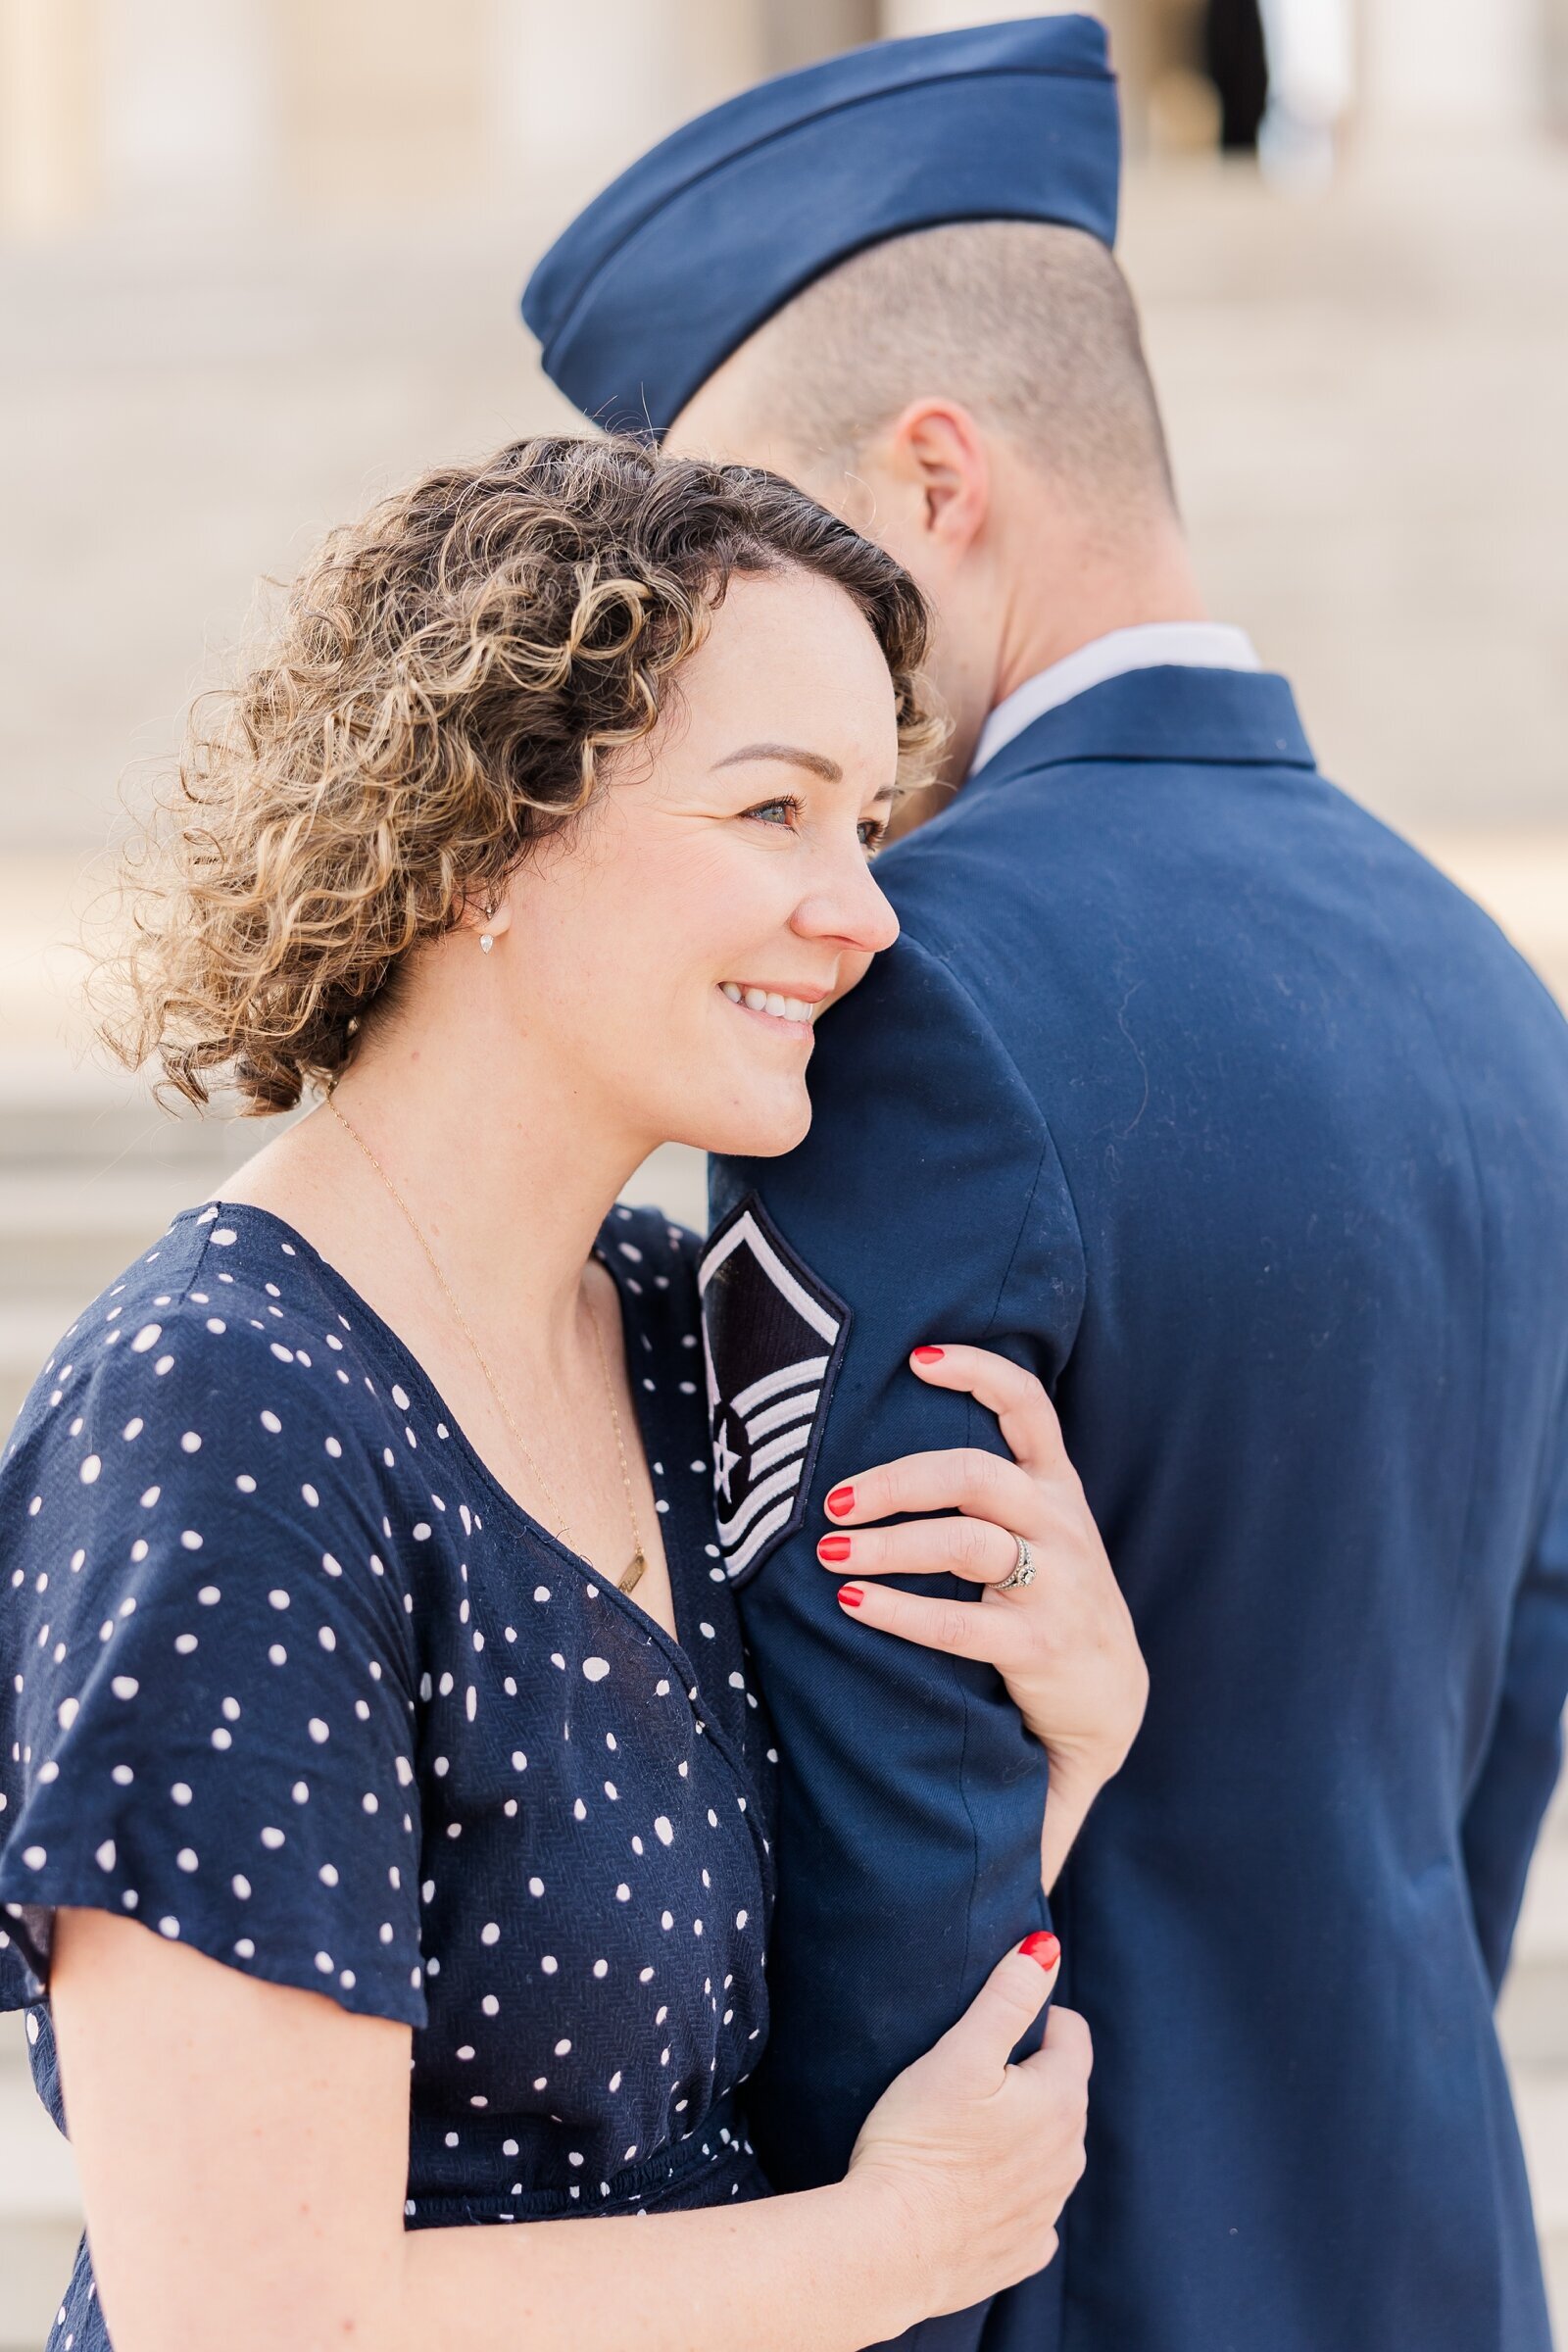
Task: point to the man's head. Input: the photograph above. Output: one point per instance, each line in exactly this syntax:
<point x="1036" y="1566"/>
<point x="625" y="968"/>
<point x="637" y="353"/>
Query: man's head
<point x="974" y="396"/>
<point x="889" y="274"/>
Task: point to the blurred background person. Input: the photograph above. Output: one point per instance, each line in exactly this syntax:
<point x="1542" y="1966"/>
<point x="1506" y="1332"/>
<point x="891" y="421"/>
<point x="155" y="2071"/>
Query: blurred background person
<point x="1307" y="59"/>
<point x="259" y="258"/>
<point x="1282" y="71"/>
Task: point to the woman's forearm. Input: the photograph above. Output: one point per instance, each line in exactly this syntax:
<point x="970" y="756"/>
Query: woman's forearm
<point x="244" y="2168"/>
<point x="827" y="2270"/>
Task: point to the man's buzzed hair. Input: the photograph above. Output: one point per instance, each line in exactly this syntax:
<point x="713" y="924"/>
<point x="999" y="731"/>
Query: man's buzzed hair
<point x="1030" y="325"/>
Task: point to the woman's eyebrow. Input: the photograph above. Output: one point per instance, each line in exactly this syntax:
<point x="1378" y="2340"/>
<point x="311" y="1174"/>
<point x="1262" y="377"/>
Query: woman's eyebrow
<point x="791" y="752"/>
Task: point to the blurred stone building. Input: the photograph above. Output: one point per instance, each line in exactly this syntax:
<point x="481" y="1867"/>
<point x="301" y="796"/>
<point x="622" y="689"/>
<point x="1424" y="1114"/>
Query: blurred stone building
<point x="110" y="108"/>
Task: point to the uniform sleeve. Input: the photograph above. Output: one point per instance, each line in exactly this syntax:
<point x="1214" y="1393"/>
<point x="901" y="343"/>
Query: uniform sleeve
<point x="207" y="1723"/>
<point x="928" y="1199"/>
<point x="1525" y="1754"/>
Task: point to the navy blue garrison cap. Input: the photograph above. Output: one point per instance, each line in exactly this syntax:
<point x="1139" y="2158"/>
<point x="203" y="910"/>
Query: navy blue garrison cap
<point x="712" y="231"/>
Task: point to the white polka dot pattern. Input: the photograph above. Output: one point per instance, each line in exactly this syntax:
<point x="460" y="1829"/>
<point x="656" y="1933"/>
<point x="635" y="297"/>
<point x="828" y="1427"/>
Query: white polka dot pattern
<point x="290" y="1679"/>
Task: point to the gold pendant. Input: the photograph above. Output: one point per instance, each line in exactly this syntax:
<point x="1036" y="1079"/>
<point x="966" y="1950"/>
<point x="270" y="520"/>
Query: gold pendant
<point x="633" y="1574"/>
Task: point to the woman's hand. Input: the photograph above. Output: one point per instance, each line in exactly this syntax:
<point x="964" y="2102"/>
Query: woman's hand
<point x="1063" y="1644"/>
<point x="977" y="2156"/>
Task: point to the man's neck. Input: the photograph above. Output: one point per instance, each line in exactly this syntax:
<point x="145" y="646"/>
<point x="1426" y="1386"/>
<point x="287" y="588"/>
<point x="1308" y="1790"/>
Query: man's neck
<point x="1043" y="612"/>
<point x="1094" y="602"/>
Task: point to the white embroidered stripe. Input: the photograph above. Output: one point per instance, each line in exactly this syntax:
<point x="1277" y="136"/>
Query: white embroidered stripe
<point x="779" y="1449"/>
<point x="772" y="1384"/>
<point x="769" y="1525"/>
<point x="776" y="1416"/>
<point x="782" y="1481"/>
<point x="746" y="1229"/>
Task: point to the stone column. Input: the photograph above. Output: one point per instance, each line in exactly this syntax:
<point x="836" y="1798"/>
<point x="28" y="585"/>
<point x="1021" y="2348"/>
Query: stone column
<point x="1555" y="78"/>
<point x="723" y="46"/>
<point x="187" y="97"/>
<point x="799" y="31"/>
<point x="575" y="95"/>
<point x="384" y="102"/>
<point x="51" y="132"/>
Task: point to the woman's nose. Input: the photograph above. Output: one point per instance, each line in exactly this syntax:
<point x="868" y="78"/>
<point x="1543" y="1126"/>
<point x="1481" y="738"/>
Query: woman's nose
<point x="853" y="912"/>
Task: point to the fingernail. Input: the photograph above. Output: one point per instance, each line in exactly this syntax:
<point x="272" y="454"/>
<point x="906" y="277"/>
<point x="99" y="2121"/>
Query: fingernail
<point x="851" y="1595"/>
<point x="833" y="1548"/>
<point x="1042" y="1946"/>
<point x="841" y="1502"/>
<point x="929" y="1356"/>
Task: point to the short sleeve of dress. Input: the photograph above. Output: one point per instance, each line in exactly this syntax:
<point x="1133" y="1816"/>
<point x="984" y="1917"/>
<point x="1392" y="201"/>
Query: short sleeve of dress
<point x="207" y="1720"/>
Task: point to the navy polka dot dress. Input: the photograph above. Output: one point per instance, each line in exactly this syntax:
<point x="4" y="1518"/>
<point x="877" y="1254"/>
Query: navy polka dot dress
<point x="290" y="1678"/>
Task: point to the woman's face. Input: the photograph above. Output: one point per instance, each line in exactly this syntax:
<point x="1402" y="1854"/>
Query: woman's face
<point x="669" y="956"/>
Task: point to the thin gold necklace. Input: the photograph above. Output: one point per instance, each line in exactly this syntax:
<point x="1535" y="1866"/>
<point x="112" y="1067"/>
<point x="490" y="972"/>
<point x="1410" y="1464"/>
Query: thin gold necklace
<point x="632" y="1573"/>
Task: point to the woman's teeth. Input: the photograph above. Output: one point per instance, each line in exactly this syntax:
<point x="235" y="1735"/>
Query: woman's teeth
<point x="761" y="1000"/>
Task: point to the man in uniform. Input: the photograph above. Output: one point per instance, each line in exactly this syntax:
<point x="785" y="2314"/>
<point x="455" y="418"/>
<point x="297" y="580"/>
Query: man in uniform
<point x="1193" y="1089"/>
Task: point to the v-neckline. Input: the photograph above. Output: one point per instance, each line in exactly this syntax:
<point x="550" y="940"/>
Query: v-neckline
<point x="413" y="1371"/>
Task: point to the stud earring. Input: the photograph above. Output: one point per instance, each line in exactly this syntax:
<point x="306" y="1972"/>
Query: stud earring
<point x="486" y="942"/>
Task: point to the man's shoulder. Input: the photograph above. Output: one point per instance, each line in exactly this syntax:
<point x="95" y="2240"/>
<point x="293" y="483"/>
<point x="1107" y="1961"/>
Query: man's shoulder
<point x="1087" y="864"/>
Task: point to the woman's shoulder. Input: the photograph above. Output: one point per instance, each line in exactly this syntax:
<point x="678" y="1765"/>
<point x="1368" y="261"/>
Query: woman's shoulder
<point x="203" y="1434"/>
<point x="205" y="1326"/>
<point x="209" y="1606"/>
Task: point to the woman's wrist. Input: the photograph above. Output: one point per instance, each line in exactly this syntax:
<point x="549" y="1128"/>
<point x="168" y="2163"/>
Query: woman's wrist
<point x="1088" y="1764"/>
<point x="1095" y="1752"/>
<point x="889" y="2253"/>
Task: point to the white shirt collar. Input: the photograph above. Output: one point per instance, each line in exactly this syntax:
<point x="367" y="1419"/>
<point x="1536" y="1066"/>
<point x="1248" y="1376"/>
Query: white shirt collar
<point x="1151" y="645"/>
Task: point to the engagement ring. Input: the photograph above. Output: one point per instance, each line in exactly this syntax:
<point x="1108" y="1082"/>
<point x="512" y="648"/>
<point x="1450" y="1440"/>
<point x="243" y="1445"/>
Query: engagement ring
<point x="1022" y="1571"/>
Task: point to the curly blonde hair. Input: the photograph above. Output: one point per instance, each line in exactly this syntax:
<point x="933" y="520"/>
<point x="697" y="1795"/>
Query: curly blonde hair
<point x="452" y="681"/>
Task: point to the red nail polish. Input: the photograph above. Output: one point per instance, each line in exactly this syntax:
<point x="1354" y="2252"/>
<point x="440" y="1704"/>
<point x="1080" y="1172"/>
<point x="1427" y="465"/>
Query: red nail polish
<point x="1042" y="1946"/>
<point x="833" y="1548"/>
<point x="929" y="1356"/>
<point x="851" y="1595"/>
<point x="841" y="1502"/>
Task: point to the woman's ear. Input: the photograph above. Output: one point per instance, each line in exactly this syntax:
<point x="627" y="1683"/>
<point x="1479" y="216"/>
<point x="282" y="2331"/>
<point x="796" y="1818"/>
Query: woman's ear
<point x="936" y="450"/>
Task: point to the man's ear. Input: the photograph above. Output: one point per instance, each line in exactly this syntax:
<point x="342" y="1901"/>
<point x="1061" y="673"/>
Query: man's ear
<point x="937" y="453"/>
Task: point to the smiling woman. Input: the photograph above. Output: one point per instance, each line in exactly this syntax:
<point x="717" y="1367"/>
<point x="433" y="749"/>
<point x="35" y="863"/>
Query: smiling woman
<point x="376" y="1863"/>
<point x="458" y="678"/>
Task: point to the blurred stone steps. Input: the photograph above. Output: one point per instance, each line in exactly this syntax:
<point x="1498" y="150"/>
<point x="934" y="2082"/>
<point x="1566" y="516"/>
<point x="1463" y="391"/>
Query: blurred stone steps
<point x="40" y="2208"/>
<point x="63" y="1236"/>
<point x="91" y="1170"/>
<point x="1534" y="2011"/>
<point x="1534" y="2019"/>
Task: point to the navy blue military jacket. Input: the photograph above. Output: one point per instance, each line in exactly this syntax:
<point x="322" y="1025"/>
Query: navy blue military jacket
<point x="1194" y="1088"/>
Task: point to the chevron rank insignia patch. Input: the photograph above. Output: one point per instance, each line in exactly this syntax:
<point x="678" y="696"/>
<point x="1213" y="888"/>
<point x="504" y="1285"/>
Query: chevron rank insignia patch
<point x="773" y="1337"/>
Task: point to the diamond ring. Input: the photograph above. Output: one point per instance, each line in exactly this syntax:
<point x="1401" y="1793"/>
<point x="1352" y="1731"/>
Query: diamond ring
<point x="1022" y="1571"/>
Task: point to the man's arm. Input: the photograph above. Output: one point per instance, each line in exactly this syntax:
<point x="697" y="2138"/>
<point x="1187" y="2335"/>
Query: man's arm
<point x="928" y="1199"/>
<point x="1515" y="1783"/>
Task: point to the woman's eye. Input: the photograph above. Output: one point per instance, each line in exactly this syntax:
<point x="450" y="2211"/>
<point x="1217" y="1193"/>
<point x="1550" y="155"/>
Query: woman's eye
<point x="873" y="833"/>
<point x="782" y="812"/>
